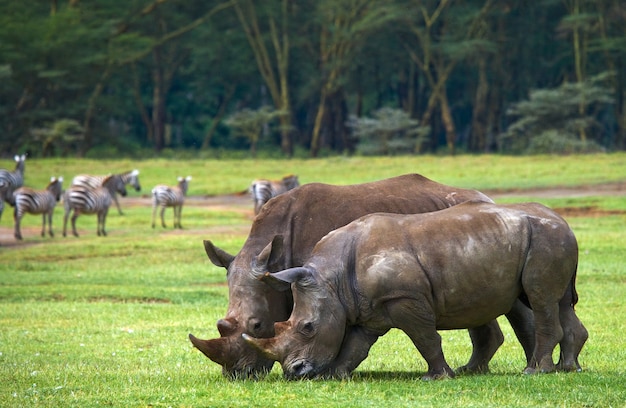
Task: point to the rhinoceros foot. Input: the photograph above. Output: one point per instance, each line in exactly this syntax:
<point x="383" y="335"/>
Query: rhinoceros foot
<point x="469" y="370"/>
<point x="446" y="373"/>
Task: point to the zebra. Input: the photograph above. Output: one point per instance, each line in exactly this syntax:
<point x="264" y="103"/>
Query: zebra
<point x="84" y="200"/>
<point x="165" y="196"/>
<point x="11" y="181"/>
<point x="130" y="177"/>
<point x="263" y="190"/>
<point x="42" y="202"/>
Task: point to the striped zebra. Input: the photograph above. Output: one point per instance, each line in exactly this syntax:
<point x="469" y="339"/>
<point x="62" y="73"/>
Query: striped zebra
<point x="263" y="190"/>
<point x="41" y="202"/>
<point x="130" y="177"/>
<point x="84" y="200"/>
<point x="11" y="181"/>
<point x="165" y="196"/>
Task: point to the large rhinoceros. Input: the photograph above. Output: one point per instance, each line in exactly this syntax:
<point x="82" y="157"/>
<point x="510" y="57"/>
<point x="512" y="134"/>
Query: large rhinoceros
<point x="457" y="268"/>
<point x="303" y="216"/>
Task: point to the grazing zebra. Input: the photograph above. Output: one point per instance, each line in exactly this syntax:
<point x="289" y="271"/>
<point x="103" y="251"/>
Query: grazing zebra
<point x="263" y="190"/>
<point x="165" y="196"/>
<point x="42" y="202"/>
<point x="130" y="177"/>
<point x="11" y="181"/>
<point x="84" y="200"/>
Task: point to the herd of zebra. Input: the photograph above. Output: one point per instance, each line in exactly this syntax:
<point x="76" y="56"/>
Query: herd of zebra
<point x="90" y="194"/>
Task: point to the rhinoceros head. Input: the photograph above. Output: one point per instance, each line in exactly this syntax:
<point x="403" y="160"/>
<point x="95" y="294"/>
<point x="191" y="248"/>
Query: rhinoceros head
<point x="253" y="308"/>
<point x="310" y="340"/>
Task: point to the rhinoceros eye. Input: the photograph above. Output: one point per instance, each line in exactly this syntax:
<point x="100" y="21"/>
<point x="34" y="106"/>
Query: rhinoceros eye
<point x="307" y="329"/>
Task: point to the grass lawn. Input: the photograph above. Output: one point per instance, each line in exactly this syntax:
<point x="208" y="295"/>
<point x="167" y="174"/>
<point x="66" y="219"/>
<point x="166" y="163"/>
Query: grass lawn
<point x="96" y="321"/>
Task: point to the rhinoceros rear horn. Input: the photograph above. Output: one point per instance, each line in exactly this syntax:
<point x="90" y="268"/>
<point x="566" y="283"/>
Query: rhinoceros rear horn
<point x="215" y="349"/>
<point x="227" y="327"/>
<point x="265" y="346"/>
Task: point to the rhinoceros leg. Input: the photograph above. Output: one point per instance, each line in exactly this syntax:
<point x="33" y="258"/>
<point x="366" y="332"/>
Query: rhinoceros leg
<point x="485" y="341"/>
<point x="574" y="336"/>
<point x="415" y="319"/>
<point x="522" y="321"/>
<point x="548" y="333"/>
<point x="354" y="349"/>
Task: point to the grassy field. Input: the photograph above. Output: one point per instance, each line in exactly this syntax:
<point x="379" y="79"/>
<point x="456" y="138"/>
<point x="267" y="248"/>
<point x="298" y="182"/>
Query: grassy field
<point x="95" y="321"/>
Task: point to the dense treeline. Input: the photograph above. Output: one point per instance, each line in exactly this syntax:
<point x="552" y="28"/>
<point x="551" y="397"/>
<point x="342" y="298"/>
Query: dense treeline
<point x="131" y="77"/>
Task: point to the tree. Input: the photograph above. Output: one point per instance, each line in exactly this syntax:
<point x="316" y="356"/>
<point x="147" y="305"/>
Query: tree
<point x="444" y="39"/>
<point x="250" y="123"/>
<point x="388" y="132"/>
<point x="550" y="121"/>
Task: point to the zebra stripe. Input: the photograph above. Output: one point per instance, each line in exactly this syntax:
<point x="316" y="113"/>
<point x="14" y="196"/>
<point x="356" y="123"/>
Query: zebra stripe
<point x="42" y="202"/>
<point x="165" y="196"/>
<point x="11" y="181"/>
<point x="84" y="200"/>
<point x="262" y="190"/>
<point x="89" y="181"/>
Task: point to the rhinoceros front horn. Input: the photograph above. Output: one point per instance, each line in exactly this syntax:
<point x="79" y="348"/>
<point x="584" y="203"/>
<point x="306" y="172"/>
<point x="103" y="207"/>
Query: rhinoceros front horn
<point x="265" y="346"/>
<point x="215" y="349"/>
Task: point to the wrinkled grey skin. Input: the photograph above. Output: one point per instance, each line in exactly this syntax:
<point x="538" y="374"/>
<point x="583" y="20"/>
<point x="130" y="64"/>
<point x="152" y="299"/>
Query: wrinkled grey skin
<point x="457" y="268"/>
<point x="301" y="217"/>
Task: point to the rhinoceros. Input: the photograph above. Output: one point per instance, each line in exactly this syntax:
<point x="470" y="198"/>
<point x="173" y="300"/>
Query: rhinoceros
<point x="303" y="216"/>
<point x="456" y="268"/>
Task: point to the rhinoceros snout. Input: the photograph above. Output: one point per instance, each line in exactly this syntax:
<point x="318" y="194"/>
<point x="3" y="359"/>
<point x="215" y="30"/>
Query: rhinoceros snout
<point x="300" y="369"/>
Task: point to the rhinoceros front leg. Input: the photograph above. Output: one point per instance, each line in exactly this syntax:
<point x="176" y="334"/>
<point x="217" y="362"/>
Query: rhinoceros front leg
<point x="354" y="349"/>
<point x="417" y="320"/>
<point x="523" y="323"/>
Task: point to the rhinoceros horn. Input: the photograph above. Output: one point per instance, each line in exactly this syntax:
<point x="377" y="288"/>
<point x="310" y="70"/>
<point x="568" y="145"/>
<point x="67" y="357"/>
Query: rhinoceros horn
<point x="265" y="346"/>
<point x="215" y="349"/>
<point x="226" y="327"/>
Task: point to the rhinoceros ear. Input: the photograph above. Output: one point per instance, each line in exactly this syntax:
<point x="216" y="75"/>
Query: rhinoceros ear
<point x="219" y="257"/>
<point x="282" y="280"/>
<point x="271" y="256"/>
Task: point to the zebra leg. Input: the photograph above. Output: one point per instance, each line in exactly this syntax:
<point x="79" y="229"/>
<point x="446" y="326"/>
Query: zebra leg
<point x="162" y="216"/>
<point x="67" y="213"/>
<point x="17" y="218"/>
<point x="104" y="220"/>
<point x="50" y="232"/>
<point x="74" y="216"/>
<point x="43" y="225"/>
<point x="119" y="209"/>
<point x="154" y="209"/>
<point x="177" y="211"/>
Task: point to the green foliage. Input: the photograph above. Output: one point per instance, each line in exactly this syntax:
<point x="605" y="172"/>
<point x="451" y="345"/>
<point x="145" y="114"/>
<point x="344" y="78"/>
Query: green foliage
<point x="388" y="132"/>
<point x="558" y="120"/>
<point x="96" y="321"/>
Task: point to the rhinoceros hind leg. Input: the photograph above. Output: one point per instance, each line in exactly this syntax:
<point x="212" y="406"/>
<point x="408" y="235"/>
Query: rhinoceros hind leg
<point x="486" y="340"/>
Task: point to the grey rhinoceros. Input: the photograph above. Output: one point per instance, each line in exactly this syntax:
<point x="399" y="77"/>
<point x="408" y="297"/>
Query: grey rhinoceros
<point x="302" y="217"/>
<point x="457" y="268"/>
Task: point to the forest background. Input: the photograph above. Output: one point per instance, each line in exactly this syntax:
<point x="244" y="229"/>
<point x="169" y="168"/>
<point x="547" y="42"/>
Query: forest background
<point x="284" y="78"/>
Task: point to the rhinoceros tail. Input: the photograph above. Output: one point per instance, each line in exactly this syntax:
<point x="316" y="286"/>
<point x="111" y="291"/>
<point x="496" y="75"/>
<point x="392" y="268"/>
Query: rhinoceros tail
<point x="572" y="287"/>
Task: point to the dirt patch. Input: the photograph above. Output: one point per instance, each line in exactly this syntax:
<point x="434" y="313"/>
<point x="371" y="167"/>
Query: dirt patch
<point x="587" y="211"/>
<point x="241" y="203"/>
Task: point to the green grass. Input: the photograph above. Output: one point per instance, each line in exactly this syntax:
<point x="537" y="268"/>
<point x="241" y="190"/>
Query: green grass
<point x="95" y="321"/>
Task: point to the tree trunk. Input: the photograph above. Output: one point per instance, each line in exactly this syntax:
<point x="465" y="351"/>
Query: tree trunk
<point x="317" y="127"/>
<point x="158" y="102"/>
<point x="448" y="123"/>
<point x="478" y="135"/>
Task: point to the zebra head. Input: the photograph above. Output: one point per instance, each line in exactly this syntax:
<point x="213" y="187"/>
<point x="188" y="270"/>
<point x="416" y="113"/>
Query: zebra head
<point x="183" y="183"/>
<point x="134" y="180"/>
<point x="56" y="187"/>
<point x="114" y="184"/>
<point x="19" y="164"/>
